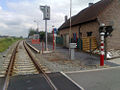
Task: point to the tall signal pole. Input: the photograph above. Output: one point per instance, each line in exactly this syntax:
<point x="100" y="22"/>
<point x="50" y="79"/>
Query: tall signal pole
<point x="46" y="34"/>
<point x="46" y="16"/>
<point x="37" y="22"/>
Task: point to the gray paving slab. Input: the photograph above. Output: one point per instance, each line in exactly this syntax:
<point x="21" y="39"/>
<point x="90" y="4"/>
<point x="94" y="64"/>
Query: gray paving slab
<point x="116" y="61"/>
<point x="108" y="79"/>
<point x="37" y="82"/>
<point x="2" y="80"/>
<point x="62" y="83"/>
<point x="28" y="82"/>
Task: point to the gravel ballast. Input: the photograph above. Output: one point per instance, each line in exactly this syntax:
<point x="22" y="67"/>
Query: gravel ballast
<point x="59" y="60"/>
<point x="5" y="56"/>
<point x="54" y="62"/>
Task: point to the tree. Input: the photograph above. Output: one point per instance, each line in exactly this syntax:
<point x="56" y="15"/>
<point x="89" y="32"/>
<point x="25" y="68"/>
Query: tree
<point x="42" y="35"/>
<point x="31" y="32"/>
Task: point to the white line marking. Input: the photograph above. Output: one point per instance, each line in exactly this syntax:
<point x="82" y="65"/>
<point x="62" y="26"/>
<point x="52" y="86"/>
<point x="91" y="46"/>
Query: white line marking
<point x="94" y="70"/>
<point x="72" y="81"/>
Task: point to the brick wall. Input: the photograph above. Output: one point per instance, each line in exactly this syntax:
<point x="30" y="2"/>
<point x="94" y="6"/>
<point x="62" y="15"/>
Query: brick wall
<point x="73" y="30"/>
<point x="111" y="16"/>
<point x="88" y="27"/>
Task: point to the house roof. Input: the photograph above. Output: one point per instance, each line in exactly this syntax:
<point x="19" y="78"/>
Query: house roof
<point x="88" y="14"/>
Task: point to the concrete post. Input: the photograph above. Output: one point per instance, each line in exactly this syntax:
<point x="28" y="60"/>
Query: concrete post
<point x="72" y="50"/>
<point x="72" y="54"/>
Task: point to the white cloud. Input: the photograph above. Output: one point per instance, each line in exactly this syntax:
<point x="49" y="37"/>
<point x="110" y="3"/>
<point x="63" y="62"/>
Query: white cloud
<point x="2" y="25"/>
<point x="0" y="8"/>
<point x="20" y="15"/>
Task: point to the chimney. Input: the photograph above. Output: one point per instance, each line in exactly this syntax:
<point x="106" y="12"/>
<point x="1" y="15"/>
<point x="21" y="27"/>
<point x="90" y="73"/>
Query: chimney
<point x="90" y="4"/>
<point x="65" y="18"/>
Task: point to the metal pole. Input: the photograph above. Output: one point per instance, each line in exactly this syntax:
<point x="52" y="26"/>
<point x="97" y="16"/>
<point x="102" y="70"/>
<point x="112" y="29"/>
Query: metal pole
<point x="70" y="19"/>
<point x="37" y="22"/>
<point x="70" y="27"/>
<point x="46" y="34"/>
<point x="37" y="27"/>
<point x="53" y="39"/>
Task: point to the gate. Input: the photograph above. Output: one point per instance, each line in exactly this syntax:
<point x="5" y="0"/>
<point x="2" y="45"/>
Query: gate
<point x="89" y="43"/>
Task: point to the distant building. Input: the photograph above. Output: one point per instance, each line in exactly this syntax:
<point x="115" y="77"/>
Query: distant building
<point x="86" y="23"/>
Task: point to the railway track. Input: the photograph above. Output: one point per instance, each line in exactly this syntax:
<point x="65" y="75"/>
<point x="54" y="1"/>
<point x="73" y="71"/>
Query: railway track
<point x="22" y="65"/>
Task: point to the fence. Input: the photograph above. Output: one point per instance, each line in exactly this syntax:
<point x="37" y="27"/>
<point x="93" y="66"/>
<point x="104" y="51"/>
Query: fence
<point x="59" y="40"/>
<point x="86" y="44"/>
<point x="89" y="43"/>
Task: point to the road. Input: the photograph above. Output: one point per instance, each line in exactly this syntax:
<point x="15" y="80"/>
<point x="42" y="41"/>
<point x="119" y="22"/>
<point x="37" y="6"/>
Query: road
<point x="107" y="79"/>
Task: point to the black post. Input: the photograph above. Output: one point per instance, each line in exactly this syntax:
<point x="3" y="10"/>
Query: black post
<point x="90" y="44"/>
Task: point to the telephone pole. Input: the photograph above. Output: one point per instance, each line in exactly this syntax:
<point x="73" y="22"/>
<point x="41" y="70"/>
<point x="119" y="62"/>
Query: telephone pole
<point x="70" y="27"/>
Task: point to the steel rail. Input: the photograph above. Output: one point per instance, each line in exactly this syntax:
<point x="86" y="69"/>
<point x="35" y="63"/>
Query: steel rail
<point x="39" y="68"/>
<point x="10" y="68"/>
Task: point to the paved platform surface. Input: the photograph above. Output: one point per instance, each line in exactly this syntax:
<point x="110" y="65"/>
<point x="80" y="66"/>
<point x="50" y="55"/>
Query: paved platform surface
<point x="83" y="57"/>
<point x="37" y="82"/>
<point x="108" y="79"/>
<point x="62" y="83"/>
<point x="28" y="82"/>
<point x="116" y="61"/>
<point x="2" y="80"/>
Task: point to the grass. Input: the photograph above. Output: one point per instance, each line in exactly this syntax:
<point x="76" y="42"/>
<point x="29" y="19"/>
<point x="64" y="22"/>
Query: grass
<point x="6" y="42"/>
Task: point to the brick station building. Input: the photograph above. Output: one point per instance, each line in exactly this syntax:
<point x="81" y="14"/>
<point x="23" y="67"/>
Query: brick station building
<point x="87" y="22"/>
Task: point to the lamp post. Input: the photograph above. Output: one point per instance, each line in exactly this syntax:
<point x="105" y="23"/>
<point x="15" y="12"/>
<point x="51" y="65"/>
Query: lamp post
<point x="37" y="22"/>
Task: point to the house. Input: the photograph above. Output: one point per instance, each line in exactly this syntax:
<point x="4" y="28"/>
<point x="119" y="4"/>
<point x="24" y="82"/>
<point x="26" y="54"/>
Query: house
<point x="87" y="22"/>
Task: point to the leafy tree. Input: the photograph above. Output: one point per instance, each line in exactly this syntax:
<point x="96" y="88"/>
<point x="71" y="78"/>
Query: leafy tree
<point x="42" y="35"/>
<point x="31" y="32"/>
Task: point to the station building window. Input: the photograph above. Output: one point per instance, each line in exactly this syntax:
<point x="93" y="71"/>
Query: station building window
<point x="61" y="35"/>
<point x="89" y="34"/>
<point x="80" y="34"/>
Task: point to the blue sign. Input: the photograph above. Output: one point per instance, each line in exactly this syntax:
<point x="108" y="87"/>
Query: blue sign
<point x="55" y="30"/>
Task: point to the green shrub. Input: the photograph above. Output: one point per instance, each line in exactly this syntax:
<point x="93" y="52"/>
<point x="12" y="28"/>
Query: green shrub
<point x="6" y="42"/>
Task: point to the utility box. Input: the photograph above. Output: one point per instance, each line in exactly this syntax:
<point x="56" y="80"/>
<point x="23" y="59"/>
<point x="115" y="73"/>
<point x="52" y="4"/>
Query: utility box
<point x="72" y="51"/>
<point x="73" y="45"/>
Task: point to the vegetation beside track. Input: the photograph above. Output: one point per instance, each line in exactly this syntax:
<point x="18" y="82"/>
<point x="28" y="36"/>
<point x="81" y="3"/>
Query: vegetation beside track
<point x="6" y="42"/>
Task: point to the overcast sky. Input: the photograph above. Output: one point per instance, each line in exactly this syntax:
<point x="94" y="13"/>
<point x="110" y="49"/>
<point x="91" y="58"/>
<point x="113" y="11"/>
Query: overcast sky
<point x="17" y="16"/>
